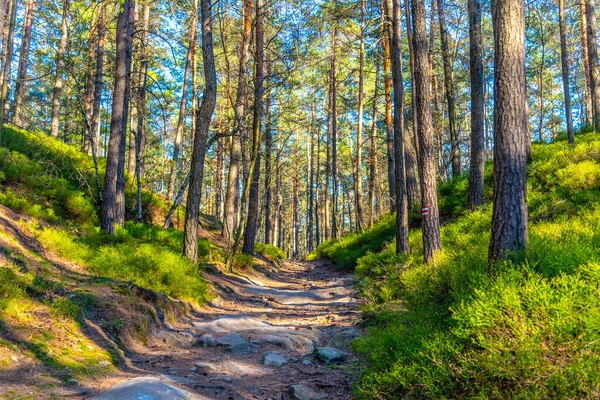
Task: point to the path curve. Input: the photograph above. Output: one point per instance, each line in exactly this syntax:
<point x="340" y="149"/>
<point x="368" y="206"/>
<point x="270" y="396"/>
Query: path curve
<point x="264" y="337"/>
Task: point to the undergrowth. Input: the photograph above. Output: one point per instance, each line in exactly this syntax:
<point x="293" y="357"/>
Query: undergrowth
<point x="56" y="183"/>
<point x="147" y="256"/>
<point x="450" y="329"/>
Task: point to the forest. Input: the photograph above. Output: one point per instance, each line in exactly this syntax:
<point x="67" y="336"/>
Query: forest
<point x="413" y="186"/>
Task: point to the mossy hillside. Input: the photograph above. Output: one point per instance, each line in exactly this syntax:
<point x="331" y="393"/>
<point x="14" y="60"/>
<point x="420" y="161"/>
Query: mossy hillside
<point x="452" y="329"/>
<point x="56" y="183"/>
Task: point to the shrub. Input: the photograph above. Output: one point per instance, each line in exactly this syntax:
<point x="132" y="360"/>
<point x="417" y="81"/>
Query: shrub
<point x="449" y="329"/>
<point x="270" y="251"/>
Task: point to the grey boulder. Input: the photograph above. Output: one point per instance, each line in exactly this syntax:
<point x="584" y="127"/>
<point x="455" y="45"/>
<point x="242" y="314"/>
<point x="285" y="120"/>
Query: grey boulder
<point x="330" y="355"/>
<point x="302" y="392"/>
<point x="235" y="343"/>
<point x="274" y="359"/>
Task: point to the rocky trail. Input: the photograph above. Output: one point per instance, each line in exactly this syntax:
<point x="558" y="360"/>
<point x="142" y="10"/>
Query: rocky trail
<point x="273" y="333"/>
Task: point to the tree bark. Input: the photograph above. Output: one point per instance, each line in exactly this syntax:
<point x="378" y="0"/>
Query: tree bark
<point x="477" y="156"/>
<point x="183" y="104"/>
<point x="509" y="217"/>
<point x="586" y="64"/>
<point x="430" y="223"/>
<point x="268" y="165"/>
<point x="232" y="197"/>
<point x="95" y="130"/>
<point x="23" y="62"/>
<point x="449" y="86"/>
<point x="109" y="212"/>
<point x="120" y="198"/>
<point x="359" y="131"/>
<point x="333" y="116"/>
<point x="252" y="214"/>
<point x="373" y="159"/>
<point x="60" y="61"/>
<point x="565" y="70"/>
<point x="401" y="202"/>
<point x="389" y="123"/>
<point x="590" y="11"/>
<point x="204" y="117"/>
<point x="7" y="60"/>
<point x="311" y="187"/>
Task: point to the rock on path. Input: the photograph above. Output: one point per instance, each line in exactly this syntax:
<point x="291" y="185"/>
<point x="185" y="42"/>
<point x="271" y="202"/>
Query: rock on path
<point x="261" y="338"/>
<point x="148" y="388"/>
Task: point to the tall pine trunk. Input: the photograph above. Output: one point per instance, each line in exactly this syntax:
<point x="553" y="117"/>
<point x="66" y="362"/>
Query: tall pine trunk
<point x="449" y="86"/>
<point x="118" y="122"/>
<point x="586" y="63"/>
<point x="401" y="201"/>
<point x="183" y="103"/>
<point x="254" y="177"/>
<point x="23" y="62"/>
<point x="333" y="124"/>
<point x="359" y="131"/>
<point x="203" y="119"/>
<point x="509" y="217"/>
<point x="232" y="196"/>
<point x="389" y="123"/>
<point x="477" y="159"/>
<point x="590" y="12"/>
<point x="7" y="54"/>
<point x="430" y="223"/>
<point x="60" y="62"/>
<point x="373" y="159"/>
<point x="565" y="70"/>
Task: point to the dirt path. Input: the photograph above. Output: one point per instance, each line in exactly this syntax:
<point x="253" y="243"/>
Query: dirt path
<point x="258" y="339"/>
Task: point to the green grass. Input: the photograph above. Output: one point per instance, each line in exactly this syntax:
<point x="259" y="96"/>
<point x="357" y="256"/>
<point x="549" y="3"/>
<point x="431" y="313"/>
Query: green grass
<point x="451" y="330"/>
<point x="54" y="182"/>
<point x="268" y="250"/>
<point x="146" y="256"/>
<point x="346" y="250"/>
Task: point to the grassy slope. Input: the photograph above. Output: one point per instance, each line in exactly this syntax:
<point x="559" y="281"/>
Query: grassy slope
<point x="449" y="329"/>
<point x="60" y="276"/>
<point x="71" y="297"/>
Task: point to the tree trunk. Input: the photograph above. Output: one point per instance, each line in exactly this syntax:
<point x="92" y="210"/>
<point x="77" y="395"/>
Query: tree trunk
<point x="232" y="197"/>
<point x="4" y="15"/>
<point x="7" y="60"/>
<point x="109" y="213"/>
<point x="586" y="63"/>
<point x="310" y="185"/>
<point x="183" y="104"/>
<point x="411" y="53"/>
<point x="401" y="202"/>
<point x="295" y="220"/>
<point x="373" y="159"/>
<point x="60" y="61"/>
<point x="359" y="131"/>
<point x="430" y="214"/>
<point x="120" y="198"/>
<point x="88" y="141"/>
<point x="23" y="62"/>
<point x="477" y="156"/>
<point x="333" y="116"/>
<point x="449" y="86"/>
<point x="565" y="70"/>
<point x="509" y="218"/>
<point x="204" y="117"/>
<point x="593" y="62"/>
<point x="389" y="123"/>
<point x="268" y="166"/>
<point x="252" y="213"/>
<point x="95" y="130"/>
<point x="318" y="192"/>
